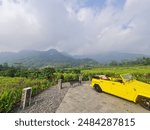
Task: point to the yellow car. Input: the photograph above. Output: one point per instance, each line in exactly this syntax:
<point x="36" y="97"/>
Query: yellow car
<point x="125" y="87"/>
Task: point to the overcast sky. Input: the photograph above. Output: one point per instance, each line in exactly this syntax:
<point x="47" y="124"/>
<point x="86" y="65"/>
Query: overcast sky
<point x="75" y="26"/>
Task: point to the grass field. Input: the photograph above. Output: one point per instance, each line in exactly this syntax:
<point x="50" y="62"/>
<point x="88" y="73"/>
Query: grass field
<point x="141" y="73"/>
<point x="11" y="90"/>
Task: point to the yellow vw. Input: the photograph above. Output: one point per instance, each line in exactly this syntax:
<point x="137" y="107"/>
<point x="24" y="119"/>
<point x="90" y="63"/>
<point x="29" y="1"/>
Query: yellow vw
<point x="125" y="87"/>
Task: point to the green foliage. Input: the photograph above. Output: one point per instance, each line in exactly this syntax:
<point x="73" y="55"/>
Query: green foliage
<point x="47" y="73"/>
<point x="70" y="76"/>
<point x="11" y="90"/>
<point x="139" y="61"/>
<point x="72" y="70"/>
<point x="8" y="99"/>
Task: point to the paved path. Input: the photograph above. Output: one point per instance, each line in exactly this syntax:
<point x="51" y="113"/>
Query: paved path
<point x="84" y="99"/>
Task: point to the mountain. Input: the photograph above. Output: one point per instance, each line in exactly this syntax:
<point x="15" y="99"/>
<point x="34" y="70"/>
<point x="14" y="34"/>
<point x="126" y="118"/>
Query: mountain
<point x="52" y="57"/>
<point x="112" y="56"/>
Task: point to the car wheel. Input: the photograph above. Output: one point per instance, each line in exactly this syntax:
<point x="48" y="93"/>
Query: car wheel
<point x="144" y="102"/>
<point x="97" y="88"/>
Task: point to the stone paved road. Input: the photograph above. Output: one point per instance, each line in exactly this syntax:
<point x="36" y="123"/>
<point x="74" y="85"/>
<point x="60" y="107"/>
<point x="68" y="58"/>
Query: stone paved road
<point x="84" y="99"/>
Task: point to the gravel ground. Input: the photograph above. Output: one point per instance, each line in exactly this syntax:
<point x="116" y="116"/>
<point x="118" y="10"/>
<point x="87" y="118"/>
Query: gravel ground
<point x="48" y="101"/>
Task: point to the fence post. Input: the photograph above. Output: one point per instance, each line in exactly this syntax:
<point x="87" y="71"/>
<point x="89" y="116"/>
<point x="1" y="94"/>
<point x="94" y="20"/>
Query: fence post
<point x="60" y="84"/>
<point x="26" y="97"/>
<point x="80" y="79"/>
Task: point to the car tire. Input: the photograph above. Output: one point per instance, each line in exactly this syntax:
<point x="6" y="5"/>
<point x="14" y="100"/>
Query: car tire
<point x="97" y="88"/>
<point x="144" y="102"/>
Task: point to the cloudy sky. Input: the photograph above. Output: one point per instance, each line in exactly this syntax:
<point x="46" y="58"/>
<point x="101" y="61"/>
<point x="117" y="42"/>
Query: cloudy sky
<point x="75" y="26"/>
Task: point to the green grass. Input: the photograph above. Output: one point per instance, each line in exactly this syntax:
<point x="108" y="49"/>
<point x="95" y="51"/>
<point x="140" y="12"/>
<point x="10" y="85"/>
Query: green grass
<point x="11" y="90"/>
<point x="120" y="70"/>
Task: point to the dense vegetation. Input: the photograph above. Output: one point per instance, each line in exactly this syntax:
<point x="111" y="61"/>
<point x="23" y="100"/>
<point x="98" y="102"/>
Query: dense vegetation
<point x="14" y="79"/>
<point x="139" y="61"/>
<point x="11" y="90"/>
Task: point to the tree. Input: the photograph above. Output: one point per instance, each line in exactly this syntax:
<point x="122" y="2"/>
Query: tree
<point x="48" y="73"/>
<point x="114" y="63"/>
<point x="10" y="72"/>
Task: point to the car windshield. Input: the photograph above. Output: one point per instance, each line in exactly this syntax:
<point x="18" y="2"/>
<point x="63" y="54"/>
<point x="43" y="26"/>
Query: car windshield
<point x="127" y="77"/>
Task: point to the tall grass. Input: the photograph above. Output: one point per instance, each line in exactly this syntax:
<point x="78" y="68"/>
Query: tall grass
<point x="11" y="90"/>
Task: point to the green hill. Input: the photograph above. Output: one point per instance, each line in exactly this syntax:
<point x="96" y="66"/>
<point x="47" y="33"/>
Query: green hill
<point x="36" y="59"/>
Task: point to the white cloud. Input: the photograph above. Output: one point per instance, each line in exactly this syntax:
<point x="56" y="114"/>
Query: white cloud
<point x="18" y="28"/>
<point x="70" y="27"/>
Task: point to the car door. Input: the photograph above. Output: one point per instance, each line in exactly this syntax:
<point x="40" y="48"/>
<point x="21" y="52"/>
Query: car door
<point x="105" y="85"/>
<point x="131" y="91"/>
<point x="119" y="89"/>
